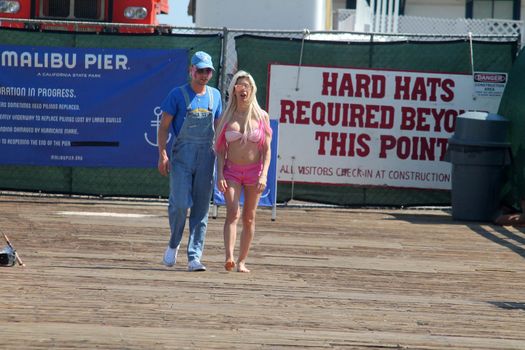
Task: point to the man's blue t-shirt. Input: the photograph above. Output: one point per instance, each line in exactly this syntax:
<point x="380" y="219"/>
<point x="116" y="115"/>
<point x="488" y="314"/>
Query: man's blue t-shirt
<point x="175" y="104"/>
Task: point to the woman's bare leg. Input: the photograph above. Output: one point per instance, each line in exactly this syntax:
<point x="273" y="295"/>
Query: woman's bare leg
<point x="251" y="199"/>
<point x="231" y="197"/>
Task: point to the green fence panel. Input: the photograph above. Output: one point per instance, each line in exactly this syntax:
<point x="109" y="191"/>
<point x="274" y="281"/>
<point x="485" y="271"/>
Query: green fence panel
<point x="119" y="181"/>
<point x="30" y="38"/>
<point x="36" y="178"/>
<point x="255" y="53"/>
<point x="513" y="108"/>
<point x="359" y="196"/>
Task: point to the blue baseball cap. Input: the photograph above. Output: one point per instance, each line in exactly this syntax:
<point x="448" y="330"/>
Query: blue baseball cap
<point x="202" y="60"/>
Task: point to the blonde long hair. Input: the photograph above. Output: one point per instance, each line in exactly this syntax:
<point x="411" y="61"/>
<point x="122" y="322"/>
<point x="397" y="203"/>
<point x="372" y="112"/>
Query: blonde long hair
<point x="254" y="110"/>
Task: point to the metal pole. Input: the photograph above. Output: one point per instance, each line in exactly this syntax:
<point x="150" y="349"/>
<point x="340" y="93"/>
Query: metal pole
<point x="224" y="48"/>
<point x="293" y="180"/>
<point x="306" y="32"/>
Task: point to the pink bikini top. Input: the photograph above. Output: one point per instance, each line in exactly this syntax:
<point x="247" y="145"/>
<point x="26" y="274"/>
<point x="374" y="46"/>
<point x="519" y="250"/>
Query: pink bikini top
<point x="234" y="135"/>
<point x="256" y="136"/>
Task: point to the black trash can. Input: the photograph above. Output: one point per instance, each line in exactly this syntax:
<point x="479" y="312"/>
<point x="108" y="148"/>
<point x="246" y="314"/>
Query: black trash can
<point x="478" y="151"/>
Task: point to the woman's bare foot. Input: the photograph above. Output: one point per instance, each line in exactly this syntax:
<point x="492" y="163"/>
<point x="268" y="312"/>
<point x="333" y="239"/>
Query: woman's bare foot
<point x="241" y="267"/>
<point x="229" y="265"/>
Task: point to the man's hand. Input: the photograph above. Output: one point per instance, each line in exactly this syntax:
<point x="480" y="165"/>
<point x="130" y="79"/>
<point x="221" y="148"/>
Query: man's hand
<point x="164" y="165"/>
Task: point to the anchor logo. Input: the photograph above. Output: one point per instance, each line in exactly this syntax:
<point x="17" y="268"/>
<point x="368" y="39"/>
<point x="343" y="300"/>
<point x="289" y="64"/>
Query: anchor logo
<point x="155" y="123"/>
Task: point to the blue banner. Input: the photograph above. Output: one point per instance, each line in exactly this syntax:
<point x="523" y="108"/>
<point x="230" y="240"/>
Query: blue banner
<point x="269" y="196"/>
<point x="84" y="107"/>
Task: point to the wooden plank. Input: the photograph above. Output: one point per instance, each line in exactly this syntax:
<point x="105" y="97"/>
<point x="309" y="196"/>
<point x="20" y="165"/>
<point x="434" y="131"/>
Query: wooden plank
<point x="322" y="278"/>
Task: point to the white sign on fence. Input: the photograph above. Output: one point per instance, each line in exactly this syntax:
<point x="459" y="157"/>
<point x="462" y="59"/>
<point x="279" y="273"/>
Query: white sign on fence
<point x="366" y="126"/>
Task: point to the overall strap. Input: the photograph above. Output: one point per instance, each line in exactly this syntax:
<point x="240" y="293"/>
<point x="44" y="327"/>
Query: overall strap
<point x="186" y="97"/>
<point x="210" y="98"/>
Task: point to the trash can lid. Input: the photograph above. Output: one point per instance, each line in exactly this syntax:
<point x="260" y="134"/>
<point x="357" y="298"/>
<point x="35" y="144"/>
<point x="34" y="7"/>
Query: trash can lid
<point x="480" y="129"/>
<point x="483" y="116"/>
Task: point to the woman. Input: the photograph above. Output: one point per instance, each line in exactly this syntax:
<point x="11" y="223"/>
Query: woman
<point x="243" y="157"/>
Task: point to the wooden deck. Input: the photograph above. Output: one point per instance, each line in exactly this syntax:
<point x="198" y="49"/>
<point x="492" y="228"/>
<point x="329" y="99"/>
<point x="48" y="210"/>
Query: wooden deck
<point x="321" y="278"/>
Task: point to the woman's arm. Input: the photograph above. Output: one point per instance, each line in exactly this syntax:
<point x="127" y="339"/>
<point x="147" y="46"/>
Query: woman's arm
<point x="266" y="155"/>
<point x="222" y="185"/>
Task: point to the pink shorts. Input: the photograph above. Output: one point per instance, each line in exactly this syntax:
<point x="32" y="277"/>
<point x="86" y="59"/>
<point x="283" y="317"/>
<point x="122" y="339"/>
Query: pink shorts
<point x="243" y="174"/>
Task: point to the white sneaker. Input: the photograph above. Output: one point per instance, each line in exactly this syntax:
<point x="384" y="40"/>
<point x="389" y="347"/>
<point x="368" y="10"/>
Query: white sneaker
<point x="170" y="256"/>
<point x="195" y="265"/>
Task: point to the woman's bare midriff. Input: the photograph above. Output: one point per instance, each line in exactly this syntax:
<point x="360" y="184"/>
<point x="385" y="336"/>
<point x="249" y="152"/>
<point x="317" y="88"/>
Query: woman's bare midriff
<point x="243" y="153"/>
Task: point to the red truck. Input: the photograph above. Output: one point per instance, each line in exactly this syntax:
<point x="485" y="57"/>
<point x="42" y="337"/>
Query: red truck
<point x="84" y="15"/>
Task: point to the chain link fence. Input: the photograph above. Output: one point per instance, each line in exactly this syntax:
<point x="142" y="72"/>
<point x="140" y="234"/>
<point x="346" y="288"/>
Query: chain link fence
<point x="297" y="47"/>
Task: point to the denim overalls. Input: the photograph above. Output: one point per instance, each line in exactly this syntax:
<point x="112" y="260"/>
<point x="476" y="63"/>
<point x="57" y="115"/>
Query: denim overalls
<point x="191" y="177"/>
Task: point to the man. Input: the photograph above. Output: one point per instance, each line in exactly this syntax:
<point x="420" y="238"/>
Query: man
<point x="191" y="111"/>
